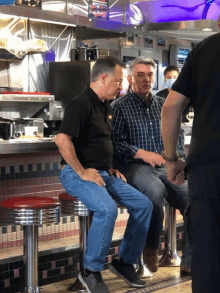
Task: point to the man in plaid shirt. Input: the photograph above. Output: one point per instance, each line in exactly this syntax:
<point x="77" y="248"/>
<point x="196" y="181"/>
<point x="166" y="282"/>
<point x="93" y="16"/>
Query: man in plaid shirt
<point x="138" y="149"/>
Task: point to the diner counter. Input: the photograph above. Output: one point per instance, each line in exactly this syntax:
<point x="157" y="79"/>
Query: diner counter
<point x="20" y="145"/>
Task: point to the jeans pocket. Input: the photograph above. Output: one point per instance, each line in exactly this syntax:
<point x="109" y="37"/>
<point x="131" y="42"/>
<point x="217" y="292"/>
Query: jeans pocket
<point x="68" y="174"/>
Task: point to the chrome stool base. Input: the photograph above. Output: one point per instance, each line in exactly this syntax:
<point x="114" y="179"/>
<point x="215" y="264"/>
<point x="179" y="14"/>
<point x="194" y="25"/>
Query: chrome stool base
<point x="77" y="286"/>
<point x="142" y="270"/>
<point x="34" y="289"/>
<point x="170" y="259"/>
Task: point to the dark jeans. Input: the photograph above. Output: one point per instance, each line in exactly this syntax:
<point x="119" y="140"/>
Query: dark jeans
<point x="204" y="192"/>
<point x="154" y="184"/>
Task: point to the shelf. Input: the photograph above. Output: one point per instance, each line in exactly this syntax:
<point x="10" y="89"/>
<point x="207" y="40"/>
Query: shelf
<point x="5" y="55"/>
<point x="71" y="20"/>
<point x="26" y="98"/>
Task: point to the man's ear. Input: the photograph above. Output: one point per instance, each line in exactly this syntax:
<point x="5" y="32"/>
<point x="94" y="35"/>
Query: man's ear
<point x="129" y="78"/>
<point x="103" y="78"/>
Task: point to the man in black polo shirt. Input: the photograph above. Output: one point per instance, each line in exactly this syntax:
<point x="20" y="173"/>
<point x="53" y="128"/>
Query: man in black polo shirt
<point x="85" y="144"/>
<point x="199" y="82"/>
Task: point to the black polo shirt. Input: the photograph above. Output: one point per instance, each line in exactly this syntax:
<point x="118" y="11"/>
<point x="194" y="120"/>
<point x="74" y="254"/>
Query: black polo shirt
<point x="87" y="120"/>
<point x="199" y="80"/>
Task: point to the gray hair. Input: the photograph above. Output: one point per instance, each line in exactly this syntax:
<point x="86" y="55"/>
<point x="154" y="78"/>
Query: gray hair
<point x="105" y="65"/>
<point x="140" y="60"/>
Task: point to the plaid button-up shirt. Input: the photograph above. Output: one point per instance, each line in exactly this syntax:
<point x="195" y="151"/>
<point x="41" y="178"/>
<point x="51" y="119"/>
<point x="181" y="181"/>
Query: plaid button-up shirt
<point x="137" y="125"/>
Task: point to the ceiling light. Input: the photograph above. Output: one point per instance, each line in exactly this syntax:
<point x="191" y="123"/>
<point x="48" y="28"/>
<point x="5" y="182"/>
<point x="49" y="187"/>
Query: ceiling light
<point x="207" y="29"/>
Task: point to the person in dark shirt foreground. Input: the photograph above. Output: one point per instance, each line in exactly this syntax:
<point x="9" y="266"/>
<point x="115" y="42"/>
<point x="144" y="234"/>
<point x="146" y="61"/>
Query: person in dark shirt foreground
<point x="199" y="82"/>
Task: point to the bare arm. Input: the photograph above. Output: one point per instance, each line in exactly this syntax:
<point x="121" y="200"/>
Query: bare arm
<point x="68" y="152"/>
<point x="171" y="123"/>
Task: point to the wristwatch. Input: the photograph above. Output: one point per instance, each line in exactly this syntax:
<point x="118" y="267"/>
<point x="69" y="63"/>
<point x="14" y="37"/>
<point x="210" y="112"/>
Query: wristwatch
<point x="171" y="159"/>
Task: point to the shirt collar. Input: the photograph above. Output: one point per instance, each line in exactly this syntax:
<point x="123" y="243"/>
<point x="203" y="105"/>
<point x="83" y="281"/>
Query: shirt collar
<point x="93" y="95"/>
<point x="142" y="100"/>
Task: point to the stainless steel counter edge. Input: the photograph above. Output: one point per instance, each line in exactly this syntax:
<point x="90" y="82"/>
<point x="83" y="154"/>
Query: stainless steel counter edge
<point x="10" y="147"/>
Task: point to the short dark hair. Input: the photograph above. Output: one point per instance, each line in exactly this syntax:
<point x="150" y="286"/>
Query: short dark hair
<point x="171" y="68"/>
<point x="105" y="65"/>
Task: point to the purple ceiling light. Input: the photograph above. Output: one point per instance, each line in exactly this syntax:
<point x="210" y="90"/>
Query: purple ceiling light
<point x="133" y="14"/>
<point x="177" y="10"/>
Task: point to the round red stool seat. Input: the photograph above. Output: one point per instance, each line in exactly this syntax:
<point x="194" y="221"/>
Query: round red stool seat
<point x="65" y="196"/>
<point x="35" y="202"/>
<point x="72" y="206"/>
<point x="34" y="210"/>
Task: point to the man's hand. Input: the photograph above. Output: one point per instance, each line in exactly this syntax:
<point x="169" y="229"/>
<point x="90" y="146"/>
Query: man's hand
<point x="151" y="158"/>
<point x="93" y="176"/>
<point x="117" y="174"/>
<point x="175" y="172"/>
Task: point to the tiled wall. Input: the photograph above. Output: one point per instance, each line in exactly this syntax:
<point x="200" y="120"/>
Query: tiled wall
<point x="34" y="174"/>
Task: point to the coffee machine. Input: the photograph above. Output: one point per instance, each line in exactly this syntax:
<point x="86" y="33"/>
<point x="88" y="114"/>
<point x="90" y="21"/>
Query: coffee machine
<point x="84" y="53"/>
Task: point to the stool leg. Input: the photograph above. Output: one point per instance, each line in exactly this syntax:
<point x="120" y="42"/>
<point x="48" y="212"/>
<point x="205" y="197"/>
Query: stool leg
<point x="84" y="222"/>
<point x="31" y="259"/>
<point x="142" y="270"/>
<point x="170" y="257"/>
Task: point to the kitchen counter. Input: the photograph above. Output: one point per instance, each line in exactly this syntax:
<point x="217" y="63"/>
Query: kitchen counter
<point x="15" y="146"/>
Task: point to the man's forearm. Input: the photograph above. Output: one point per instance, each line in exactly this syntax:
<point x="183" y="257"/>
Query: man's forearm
<point x="171" y="121"/>
<point x="68" y="152"/>
<point x="170" y="131"/>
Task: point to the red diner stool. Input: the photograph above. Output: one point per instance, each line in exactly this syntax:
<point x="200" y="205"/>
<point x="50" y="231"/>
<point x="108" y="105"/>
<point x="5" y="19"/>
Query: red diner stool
<point x="30" y="212"/>
<point x="72" y="206"/>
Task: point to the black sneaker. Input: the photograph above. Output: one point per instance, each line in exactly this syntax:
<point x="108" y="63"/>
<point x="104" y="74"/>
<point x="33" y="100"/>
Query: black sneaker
<point x="127" y="273"/>
<point x="93" y="282"/>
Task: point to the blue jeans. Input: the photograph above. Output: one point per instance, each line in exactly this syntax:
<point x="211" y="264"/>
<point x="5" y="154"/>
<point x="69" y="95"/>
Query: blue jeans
<point x="100" y="201"/>
<point x="204" y="192"/>
<point x="153" y="182"/>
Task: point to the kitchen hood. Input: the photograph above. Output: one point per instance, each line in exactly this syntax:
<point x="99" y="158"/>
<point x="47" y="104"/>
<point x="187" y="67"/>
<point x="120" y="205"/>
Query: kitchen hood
<point x="193" y="30"/>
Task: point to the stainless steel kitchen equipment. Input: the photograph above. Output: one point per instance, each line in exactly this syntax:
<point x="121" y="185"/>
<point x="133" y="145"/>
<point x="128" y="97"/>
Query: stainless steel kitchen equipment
<point x="18" y="110"/>
<point x="5" y="126"/>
